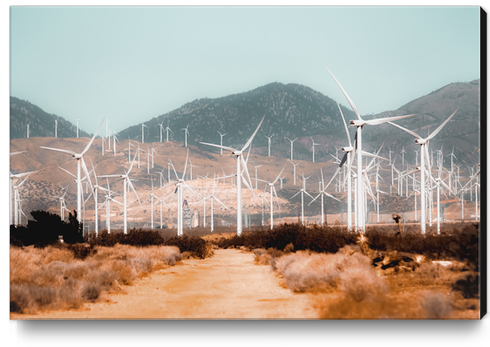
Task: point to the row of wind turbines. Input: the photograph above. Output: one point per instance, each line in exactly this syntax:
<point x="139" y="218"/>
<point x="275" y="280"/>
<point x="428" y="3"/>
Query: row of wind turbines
<point x="362" y="185"/>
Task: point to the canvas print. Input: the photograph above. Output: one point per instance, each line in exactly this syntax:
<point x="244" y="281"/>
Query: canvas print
<point x="246" y="163"/>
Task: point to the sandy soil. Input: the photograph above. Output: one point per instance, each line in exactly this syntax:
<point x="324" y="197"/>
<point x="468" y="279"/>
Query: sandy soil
<point x="228" y="285"/>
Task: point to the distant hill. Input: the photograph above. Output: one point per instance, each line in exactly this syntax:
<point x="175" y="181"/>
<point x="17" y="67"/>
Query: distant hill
<point x="41" y="123"/>
<point x="291" y="110"/>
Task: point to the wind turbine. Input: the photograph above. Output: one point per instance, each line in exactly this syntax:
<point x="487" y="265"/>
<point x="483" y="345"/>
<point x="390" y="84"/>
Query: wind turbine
<point x="256" y="167"/>
<point x="27" y="130"/>
<point x="77" y="128"/>
<point x="151" y="197"/>
<point x="272" y="189"/>
<point x="323" y="191"/>
<point x="186" y="131"/>
<point x="180" y="183"/>
<point x="17" y="198"/>
<point x="424" y="155"/>
<point x="107" y="204"/>
<point x="359" y="123"/>
<point x="167" y="129"/>
<point x="143" y="126"/>
<point x="161" y="131"/>
<point x="303" y="191"/>
<point x="221" y="141"/>
<point x="212" y="197"/>
<point x="294" y="171"/>
<point x="126" y="182"/>
<point x="239" y="155"/>
<point x="292" y="141"/>
<point x="80" y="165"/>
<point x="62" y="202"/>
<point x="269" y="145"/>
<point x="313" y="144"/>
<point x="347" y="157"/>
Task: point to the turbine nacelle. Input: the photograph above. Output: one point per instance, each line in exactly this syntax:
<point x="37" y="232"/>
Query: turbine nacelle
<point x="357" y="122"/>
<point x="237" y="153"/>
<point x="421" y="141"/>
<point x="347" y="149"/>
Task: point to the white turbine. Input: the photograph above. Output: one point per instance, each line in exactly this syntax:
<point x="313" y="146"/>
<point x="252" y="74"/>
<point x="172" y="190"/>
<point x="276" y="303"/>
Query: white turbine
<point x="294" y="170"/>
<point x="180" y="183"/>
<point x="359" y="123"/>
<point x="323" y="192"/>
<point x="313" y="144"/>
<point x="239" y="155"/>
<point x="424" y="155"/>
<point x="143" y="126"/>
<point x="269" y="145"/>
<point x="292" y="141"/>
<point x="221" y="141"/>
<point x="126" y="183"/>
<point x="80" y="165"/>
<point x="186" y="131"/>
<point x="272" y="189"/>
<point x="303" y="191"/>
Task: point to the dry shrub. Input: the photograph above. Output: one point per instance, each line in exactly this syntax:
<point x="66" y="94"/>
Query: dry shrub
<point x="304" y="271"/>
<point x="90" y="291"/>
<point x="436" y="305"/>
<point x="41" y="280"/>
<point x="125" y="274"/>
<point x="51" y="253"/>
<point x="432" y="273"/>
<point x="361" y="283"/>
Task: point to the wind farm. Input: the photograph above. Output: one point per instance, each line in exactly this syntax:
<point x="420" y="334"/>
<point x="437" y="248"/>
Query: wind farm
<point x="278" y="192"/>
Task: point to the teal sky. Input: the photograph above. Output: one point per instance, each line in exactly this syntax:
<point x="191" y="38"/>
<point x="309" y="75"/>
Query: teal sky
<point x="130" y="64"/>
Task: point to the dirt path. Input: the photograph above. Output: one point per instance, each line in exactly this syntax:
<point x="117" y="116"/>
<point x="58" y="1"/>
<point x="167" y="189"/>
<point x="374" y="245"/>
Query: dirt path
<point x="228" y="285"/>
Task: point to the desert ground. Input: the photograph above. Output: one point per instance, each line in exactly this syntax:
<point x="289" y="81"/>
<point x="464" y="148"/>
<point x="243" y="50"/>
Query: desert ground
<point x="226" y="286"/>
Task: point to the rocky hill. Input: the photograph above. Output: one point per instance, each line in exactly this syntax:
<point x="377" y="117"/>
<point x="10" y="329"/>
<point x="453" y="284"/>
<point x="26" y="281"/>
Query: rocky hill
<point x="41" y="123"/>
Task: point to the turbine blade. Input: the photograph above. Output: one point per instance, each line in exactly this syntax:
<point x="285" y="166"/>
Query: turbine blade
<point x="93" y="138"/>
<point x="253" y="135"/>
<point x="434" y="133"/>
<point x="406" y="130"/>
<point x="59" y="150"/>
<point x="388" y="119"/>
<point x="345" y="125"/>
<point x="223" y="147"/>
<point x="351" y="103"/>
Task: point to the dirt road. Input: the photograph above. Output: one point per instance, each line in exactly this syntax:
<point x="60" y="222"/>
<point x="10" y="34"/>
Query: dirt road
<point x="228" y="285"/>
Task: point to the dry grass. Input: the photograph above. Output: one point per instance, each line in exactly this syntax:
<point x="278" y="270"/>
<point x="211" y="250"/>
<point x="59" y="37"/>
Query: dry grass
<point x="50" y="278"/>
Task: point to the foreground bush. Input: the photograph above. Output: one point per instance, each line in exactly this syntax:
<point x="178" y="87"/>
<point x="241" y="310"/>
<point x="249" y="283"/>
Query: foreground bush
<point x="316" y="238"/>
<point x="53" y="278"/>
<point x="459" y="242"/>
<point x="45" y="230"/>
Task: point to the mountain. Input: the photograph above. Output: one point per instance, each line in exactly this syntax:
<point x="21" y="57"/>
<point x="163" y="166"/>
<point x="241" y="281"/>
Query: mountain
<point x="41" y="123"/>
<point x="461" y="133"/>
<point x="293" y="110"/>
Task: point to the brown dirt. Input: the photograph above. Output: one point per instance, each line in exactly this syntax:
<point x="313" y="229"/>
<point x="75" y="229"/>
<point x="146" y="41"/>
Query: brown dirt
<point x="228" y="285"/>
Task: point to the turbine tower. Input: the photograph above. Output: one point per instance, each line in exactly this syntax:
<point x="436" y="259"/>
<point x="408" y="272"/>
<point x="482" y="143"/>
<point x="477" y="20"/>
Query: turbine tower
<point x="313" y="147"/>
<point x="424" y="156"/>
<point x="221" y="141"/>
<point x="359" y="123"/>
<point x="292" y="141"/>
<point x="269" y="145"/>
<point x="239" y="156"/>
<point x="80" y="165"/>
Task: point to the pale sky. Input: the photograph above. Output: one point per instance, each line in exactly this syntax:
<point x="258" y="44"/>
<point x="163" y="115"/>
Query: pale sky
<point x="130" y="64"/>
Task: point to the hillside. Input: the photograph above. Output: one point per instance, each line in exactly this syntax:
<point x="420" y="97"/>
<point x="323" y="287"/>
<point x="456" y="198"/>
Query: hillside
<point x="41" y="123"/>
<point x="290" y="110"/>
<point x="293" y="110"/>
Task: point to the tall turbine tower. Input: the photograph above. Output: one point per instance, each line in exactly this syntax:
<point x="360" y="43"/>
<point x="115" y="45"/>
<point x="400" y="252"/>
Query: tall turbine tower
<point x="80" y="165"/>
<point x="424" y="156"/>
<point x="359" y="123"/>
<point x="239" y="155"/>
